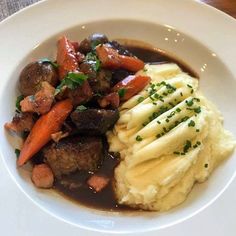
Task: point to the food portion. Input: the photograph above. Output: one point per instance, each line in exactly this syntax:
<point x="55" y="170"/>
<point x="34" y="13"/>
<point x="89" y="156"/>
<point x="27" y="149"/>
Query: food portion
<point x="169" y="137"/>
<point x="104" y="128"/>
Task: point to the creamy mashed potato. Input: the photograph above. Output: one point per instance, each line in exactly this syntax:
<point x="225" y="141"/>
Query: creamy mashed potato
<point x="169" y="137"/>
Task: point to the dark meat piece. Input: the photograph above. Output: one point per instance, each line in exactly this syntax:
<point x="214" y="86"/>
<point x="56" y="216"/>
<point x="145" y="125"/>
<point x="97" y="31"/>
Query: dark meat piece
<point x="94" y="121"/>
<point x="118" y="75"/>
<point x="72" y="154"/>
<point x="89" y="43"/>
<point x="121" y="49"/>
<point x="21" y="122"/>
<point x="101" y="83"/>
<point x="81" y="94"/>
<point x="42" y="176"/>
<point x="35" y="73"/>
<point x="87" y="69"/>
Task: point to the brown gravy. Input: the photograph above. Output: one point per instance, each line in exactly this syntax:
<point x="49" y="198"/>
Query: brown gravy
<point x="74" y="186"/>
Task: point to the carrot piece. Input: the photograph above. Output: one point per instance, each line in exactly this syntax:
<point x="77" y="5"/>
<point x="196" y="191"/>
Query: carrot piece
<point x="131" y="63"/>
<point x="44" y="127"/>
<point x="110" y="58"/>
<point x="66" y="57"/>
<point x="131" y="85"/>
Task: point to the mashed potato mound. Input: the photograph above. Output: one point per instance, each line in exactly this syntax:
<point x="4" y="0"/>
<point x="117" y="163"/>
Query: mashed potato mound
<point x="169" y="137"/>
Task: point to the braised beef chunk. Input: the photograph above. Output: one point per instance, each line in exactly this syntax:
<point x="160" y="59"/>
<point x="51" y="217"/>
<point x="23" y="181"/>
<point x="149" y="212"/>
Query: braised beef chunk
<point x="72" y="154"/>
<point x="101" y="83"/>
<point x="94" y="121"/>
<point x="21" y="122"/>
<point x="98" y="38"/>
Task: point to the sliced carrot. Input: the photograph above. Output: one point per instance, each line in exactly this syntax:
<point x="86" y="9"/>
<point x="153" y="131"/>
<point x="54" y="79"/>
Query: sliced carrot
<point x="110" y="58"/>
<point x="66" y="57"/>
<point x="131" y="85"/>
<point x="44" y="127"/>
<point x="112" y="99"/>
<point x="131" y="63"/>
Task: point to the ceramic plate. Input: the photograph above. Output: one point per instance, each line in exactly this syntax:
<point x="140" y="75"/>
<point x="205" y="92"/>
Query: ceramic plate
<point x="196" y="34"/>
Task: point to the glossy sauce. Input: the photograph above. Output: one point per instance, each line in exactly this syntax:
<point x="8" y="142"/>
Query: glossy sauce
<point x="75" y="187"/>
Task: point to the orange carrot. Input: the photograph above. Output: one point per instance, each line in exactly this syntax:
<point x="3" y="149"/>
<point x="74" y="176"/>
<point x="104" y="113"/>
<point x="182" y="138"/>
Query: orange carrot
<point x="131" y="85"/>
<point x="66" y="57"/>
<point x="110" y="58"/>
<point x="41" y="132"/>
<point x="131" y="63"/>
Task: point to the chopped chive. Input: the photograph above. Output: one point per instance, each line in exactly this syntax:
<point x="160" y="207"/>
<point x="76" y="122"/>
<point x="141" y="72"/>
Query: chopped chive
<point x="139" y="138"/>
<point x="189" y="86"/>
<point x="177" y="153"/>
<point x="158" y="122"/>
<point x="167" y="120"/>
<point x="197" y="110"/>
<point x="158" y="135"/>
<point x="191" y="123"/>
<point x="198" y="143"/>
<point x="181" y="94"/>
<point x="206" y="165"/>
<point x="178" y="109"/>
<point x="187" y="146"/>
<point x="192" y="91"/>
<point x="140" y="99"/>
<point x="197" y="130"/>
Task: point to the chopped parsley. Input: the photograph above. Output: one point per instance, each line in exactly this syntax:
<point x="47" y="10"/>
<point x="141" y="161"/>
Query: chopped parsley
<point x="17" y="152"/>
<point x="93" y="60"/>
<point x="122" y="92"/>
<point x="139" y="138"/>
<point x="71" y="81"/>
<point x="18" y="100"/>
<point x="81" y="108"/>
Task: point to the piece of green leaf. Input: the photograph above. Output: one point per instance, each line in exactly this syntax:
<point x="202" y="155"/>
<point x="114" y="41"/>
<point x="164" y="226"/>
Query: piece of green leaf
<point x="17" y="152"/>
<point x="93" y="60"/>
<point x="122" y="92"/>
<point x="49" y="61"/>
<point x="71" y="81"/>
<point x="18" y="100"/>
<point x="81" y="108"/>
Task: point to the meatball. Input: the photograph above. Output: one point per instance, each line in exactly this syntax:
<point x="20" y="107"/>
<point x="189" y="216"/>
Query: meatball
<point x="94" y="121"/>
<point x="72" y="154"/>
<point x="35" y="73"/>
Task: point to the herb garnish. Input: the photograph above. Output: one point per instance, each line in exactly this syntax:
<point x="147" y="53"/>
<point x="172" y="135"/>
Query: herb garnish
<point x="140" y="99"/>
<point x="81" y="108"/>
<point x="93" y="60"/>
<point x="18" y="100"/>
<point x="71" y="81"/>
<point x="139" y="138"/>
<point x="191" y="123"/>
<point x="122" y="92"/>
<point x="17" y="152"/>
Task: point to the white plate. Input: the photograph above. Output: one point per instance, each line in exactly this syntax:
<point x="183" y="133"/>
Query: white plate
<point x="202" y="37"/>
